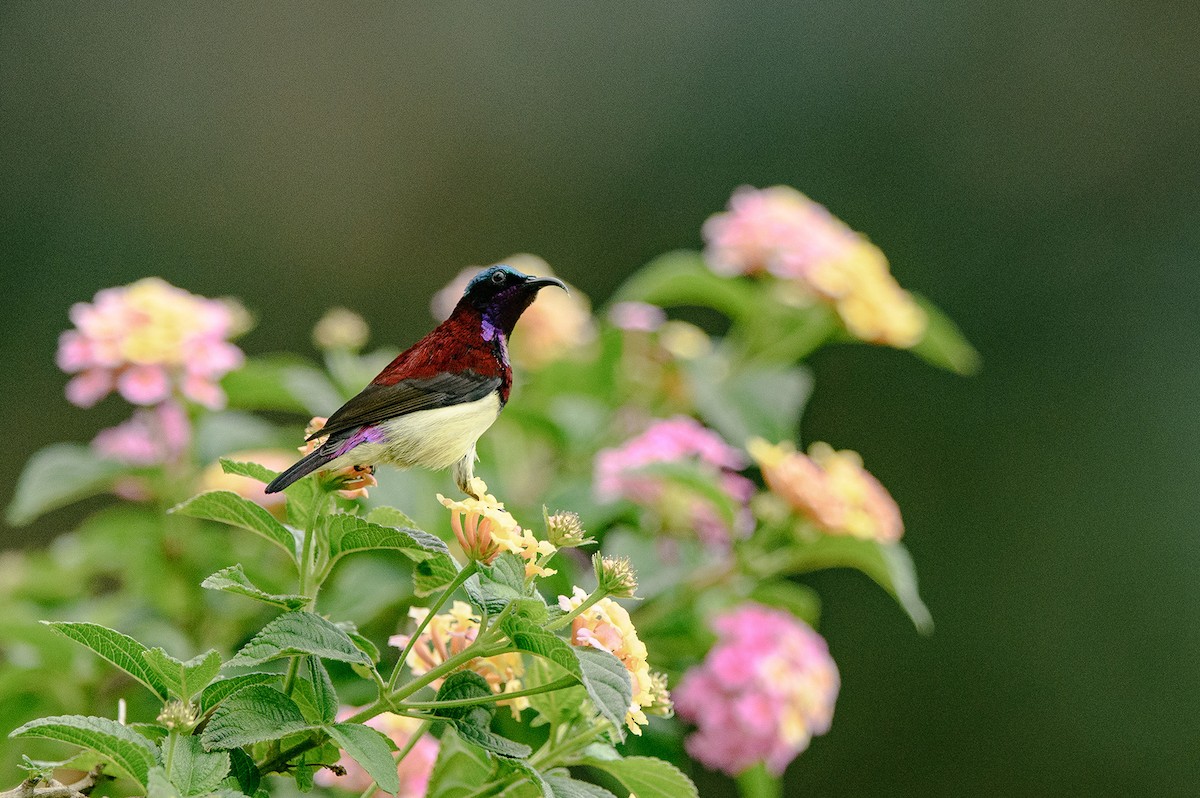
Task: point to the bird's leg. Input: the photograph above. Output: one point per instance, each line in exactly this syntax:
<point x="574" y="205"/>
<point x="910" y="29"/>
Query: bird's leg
<point x="464" y="474"/>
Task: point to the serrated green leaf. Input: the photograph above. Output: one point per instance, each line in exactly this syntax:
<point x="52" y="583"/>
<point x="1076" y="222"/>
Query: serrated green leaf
<point x="121" y="650"/>
<point x="151" y="731"/>
<point x="608" y="684"/>
<point x="502" y="582"/>
<point x="299" y="633"/>
<point x="302" y="495"/>
<point x="888" y="564"/>
<point x="247" y="469"/>
<point x="314" y="692"/>
<point x="218" y="691"/>
<point x="193" y="770"/>
<point x="390" y="516"/>
<point x="234" y="580"/>
<point x="460" y="768"/>
<point x="944" y="344"/>
<point x="365" y="645"/>
<point x="602" y="675"/>
<point x="159" y="786"/>
<point x="349" y="533"/>
<point x="490" y="741"/>
<point x="183" y="679"/>
<point x="253" y="715"/>
<point x="132" y="753"/>
<point x="229" y="508"/>
<point x="370" y="749"/>
<point x="647" y="777"/>
<point x="473" y="722"/>
<point x="566" y="787"/>
<point x="433" y="575"/>
<point x="243" y="773"/>
<point x="56" y="476"/>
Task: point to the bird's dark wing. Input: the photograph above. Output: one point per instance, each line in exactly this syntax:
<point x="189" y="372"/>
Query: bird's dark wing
<point x="378" y="403"/>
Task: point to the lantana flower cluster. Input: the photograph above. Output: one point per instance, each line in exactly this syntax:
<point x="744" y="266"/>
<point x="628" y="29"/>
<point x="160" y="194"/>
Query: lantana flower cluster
<point x="484" y="529"/>
<point x="781" y="232"/>
<point x="606" y="625"/>
<point x="763" y="691"/>
<point x="620" y="474"/>
<point x="449" y="634"/>
<point x="149" y="341"/>
<point x="831" y="488"/>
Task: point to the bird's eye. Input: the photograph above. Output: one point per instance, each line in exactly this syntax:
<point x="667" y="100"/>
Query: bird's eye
<point x="498" y="278"/>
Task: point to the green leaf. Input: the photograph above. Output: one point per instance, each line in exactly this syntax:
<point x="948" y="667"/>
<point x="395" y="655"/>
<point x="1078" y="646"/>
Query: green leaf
<point x="349" y="533"/>
<point x="243" y="773"/>
<point x="280" y="382"/>
<point x="183" y="679"/>
<point x="365" y="645"/>
<point x="889" y="565"/>
<point x="299" y="633"/>
<point x="433" y="575"/>
<point x="647" y="777"/>
<point x="151" y="731"/>
<point x="229" y="508"/>
<point x="234" y="580"/>
<point x="944" y="345"/>
<point x="800" y="600"/>
<point x="251" y="716"/>
<point x="608" y="684"/>
<point x="473" y="722"/>
<point x="314" y="693"/>
<point x="160" y="786"/>
<point x="501" y="583"/>
<point x="682" y="278"/>
<point x="566" y="787"/>
<point x="121" y="650"/>
<point x="196" y="771"/>
<point x="129" y="751"/>
<point x="390" y="516"/>
<point x="755" y="400"/>
<point x="56" y="476"/>
<point x="602" y="675"/>
<point x="460" y="768"/>
<point x="246" y="469"/>
<point x="218" y="691"/>
<point x="370" y="749"/>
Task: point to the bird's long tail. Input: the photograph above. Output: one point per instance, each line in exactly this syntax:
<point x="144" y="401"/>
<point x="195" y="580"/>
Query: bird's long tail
<point x="303" y="467"/>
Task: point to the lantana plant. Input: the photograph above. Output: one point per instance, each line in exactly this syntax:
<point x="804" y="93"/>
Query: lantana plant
<point x="453" y="649"/>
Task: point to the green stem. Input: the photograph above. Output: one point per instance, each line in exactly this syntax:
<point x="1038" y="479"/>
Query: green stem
<point x="563" y="620"/>
<point x="462" y="576"/>
<point x="172" y="739"/>
<point x="306" y="557"/>
<point x="557" y="684"/>
<point x="568" y="747"/>
<point x="289" y="680"/>
<point x="758" y="783"/>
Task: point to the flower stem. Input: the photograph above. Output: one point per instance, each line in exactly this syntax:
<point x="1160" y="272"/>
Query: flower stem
<point x="460" y="577"/>
<point x="563" y="620"/>
<point x="557" y="684"/>
<point x="305" y="566"/>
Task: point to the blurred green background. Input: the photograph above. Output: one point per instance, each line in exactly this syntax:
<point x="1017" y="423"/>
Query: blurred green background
<point x="1032" y="167"/>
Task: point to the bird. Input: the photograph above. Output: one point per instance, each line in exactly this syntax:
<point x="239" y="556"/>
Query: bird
<point x="430" y="405"/>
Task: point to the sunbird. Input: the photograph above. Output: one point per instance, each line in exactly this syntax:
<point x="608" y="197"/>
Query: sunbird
<point x="431" y="404"/>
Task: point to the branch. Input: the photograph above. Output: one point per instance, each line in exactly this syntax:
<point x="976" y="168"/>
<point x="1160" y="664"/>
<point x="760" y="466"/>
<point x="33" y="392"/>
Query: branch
<point x="56" y="789"/>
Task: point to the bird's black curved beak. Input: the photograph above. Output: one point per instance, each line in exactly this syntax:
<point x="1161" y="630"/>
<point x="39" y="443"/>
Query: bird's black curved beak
<point x="538" y="283"/>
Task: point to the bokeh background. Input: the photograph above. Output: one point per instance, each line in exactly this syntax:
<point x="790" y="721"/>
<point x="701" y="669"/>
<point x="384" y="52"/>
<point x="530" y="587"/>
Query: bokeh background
<point x="1032" y="167"/>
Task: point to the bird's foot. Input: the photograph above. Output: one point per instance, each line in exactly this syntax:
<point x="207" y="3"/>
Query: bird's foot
<point x="474" y="487"/>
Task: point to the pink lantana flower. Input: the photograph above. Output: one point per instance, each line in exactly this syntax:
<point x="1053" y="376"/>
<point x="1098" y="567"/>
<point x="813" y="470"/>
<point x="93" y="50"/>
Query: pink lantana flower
<point x="414" y="770"/>
<point x="149" y="341"/>
<point x="153" y="436"/>
<point x="781" y="232"/>
<point x="620" y="474"/>
<point x="764" y="691"/>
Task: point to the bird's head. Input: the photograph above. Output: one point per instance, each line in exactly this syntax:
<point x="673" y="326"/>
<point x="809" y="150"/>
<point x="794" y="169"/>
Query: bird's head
<point x="501" y="294"/>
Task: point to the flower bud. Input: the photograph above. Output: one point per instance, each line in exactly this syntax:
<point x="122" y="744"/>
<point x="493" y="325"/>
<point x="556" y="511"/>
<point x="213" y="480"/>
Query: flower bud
<point x="661" y="703"/>
<point x="615" y="576"/>
<point x="341" y="329"/>
<point x="178" y="715"/>
<point x="565" y="530"/>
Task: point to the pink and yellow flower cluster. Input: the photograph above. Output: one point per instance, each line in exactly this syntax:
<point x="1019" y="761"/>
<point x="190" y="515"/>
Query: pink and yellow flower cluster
<point x="781" y="232"/>
<point x="449" y="634"/>
<point x="621" y="473"/>
<point x="149" y="341"/>
<point x="484" y="529"/>
<point x="763" y="691"/>
<point x="831" y="488"/>
<point x="606" y="625"/>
